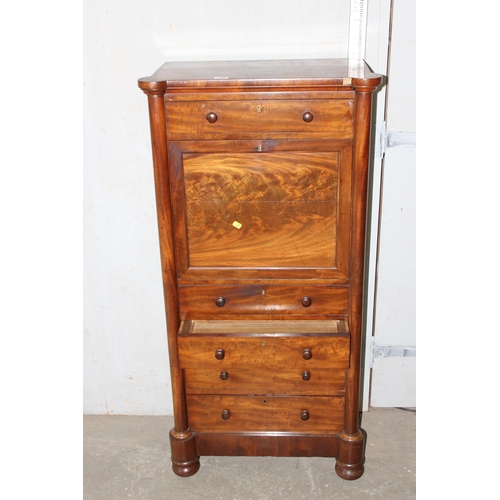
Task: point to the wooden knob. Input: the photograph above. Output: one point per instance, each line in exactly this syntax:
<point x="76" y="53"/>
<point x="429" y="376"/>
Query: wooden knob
<point x="219" y="353"/>
<point x="306" y="301"/>
<point x="220" y="301"/>
<point x="307" y="117"/>
<point x="304" y="415"/>
<point x="306" y="375"/>
<point x="307" y="354"/>
<point x="212" y="117"/>
<point x="226" y="414"/>
<point x="224" y="375"/>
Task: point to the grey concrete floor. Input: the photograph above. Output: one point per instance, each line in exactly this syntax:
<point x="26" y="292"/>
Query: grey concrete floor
<point x="128" y="458"/>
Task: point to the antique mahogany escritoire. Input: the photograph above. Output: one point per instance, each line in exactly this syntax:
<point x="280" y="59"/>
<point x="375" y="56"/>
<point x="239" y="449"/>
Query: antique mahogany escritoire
<point x="261" y="185"/>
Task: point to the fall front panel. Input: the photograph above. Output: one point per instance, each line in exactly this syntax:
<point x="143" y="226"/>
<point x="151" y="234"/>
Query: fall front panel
<point x="260" y="209"/>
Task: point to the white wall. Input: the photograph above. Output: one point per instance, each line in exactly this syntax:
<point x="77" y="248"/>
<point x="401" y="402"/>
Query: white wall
<point x="377" y="37"/>
<point x="394" y="376"/>
<point x="125" y="351"/>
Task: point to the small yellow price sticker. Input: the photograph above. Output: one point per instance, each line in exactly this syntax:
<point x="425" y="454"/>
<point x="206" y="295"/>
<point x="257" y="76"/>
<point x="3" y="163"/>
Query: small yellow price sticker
<point x="237" y="224"/>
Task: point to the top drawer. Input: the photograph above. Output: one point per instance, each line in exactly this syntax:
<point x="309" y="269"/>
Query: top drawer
<point x="267" y="119"/>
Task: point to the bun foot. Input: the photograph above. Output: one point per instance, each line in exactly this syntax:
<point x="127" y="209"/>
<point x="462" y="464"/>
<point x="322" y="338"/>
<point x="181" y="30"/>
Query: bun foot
<point x="186" y="469"/>
<point x="185" y="460"/>
<point x="349" y="472"/>
<point x="351" y="456"/>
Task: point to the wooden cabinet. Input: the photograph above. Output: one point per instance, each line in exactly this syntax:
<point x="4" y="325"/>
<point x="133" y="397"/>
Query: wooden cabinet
<point x="261" y="183"/>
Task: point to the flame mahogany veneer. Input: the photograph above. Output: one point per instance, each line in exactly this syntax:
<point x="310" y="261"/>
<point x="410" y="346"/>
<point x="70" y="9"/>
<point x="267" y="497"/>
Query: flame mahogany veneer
<point x="261" y="174"/>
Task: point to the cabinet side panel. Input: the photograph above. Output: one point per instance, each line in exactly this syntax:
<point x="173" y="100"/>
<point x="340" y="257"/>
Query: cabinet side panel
<point x="165" y="228"/>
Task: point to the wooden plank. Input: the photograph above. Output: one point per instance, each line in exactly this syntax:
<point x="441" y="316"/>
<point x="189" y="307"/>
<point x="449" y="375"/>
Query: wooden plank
<point x="264" y="326"/>
<point x="265" y="414"/>
<point x="261" y="301"/>
<point x="267" y="445"/>
<point x="320" y="382"/>
<point x="271" y="241"/>
<point x="265" y="118"/>
<point x="267" y="210"/>
<point x="245" y="351"/>
<point x="238" y="75"/>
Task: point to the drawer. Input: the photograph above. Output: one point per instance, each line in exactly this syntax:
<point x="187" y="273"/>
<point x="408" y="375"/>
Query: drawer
<point x="285" y="352"/>
<point x="309" y="415"/>
<point x="206" y="302"/>
<point x="315" y="118"/>
<point x="265" y="380"/>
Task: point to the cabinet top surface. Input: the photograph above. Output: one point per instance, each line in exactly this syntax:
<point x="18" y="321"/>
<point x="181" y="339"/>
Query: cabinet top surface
<point x="263" y="73"/>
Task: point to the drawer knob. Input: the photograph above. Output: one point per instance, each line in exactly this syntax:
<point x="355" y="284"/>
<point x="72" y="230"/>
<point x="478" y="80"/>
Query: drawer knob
<point x="307" y="117"/>
<point x="307" y="354"/>
<point x="220" y="301"/>
<point x="219" y="353"/>
<point x="306" y="301"/>
<point x="306" y="375"/>
<point x="304" y="415"/>
<point x="226" y="414"/>
<point x="224" y="375"/>
<point x="212" y="117"/>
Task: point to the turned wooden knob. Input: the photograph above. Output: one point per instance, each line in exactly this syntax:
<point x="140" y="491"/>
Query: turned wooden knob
<point x="307" y="117"/>
<point x="304" y="415"/>
<point x="305" y="301"/>
<point x="224" y="375"/>
<point x="226" y="414"/>
<point x="220" y="301"/>
<point x="219" y="353"/>
<point x="307" y="354"/>
<point x="212" y="117"/>
<point x="306" y="375"/>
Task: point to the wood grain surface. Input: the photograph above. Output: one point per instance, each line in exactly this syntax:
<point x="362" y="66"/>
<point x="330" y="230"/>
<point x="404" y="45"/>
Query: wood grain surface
<point x="263" y="210"/>
<point x="271" y="444"/>
<point x="328" y="351"/>
<point x="338" y="155"/>
<point x="265" y="118"/>
<point x="263" y="327"/>
<point x="267" y="380"/>
<point x="249" y="75"/>
<point x="266" y="414"/>
<point x="262" y="301"/>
